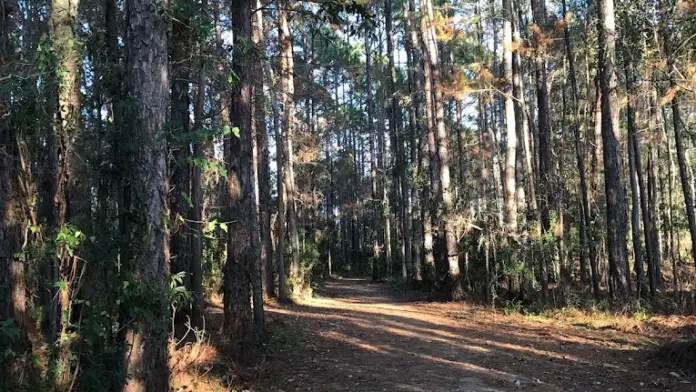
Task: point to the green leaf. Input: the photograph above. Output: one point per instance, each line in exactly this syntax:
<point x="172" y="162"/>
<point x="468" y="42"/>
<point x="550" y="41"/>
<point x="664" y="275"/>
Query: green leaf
<point x="226" y="130"/>
<point x="223" y="227"/>
<point x="235" y="131"/>
<point x="187" y="199"/>
<point x="61" y="284"/>
<point x="211" y="225"/>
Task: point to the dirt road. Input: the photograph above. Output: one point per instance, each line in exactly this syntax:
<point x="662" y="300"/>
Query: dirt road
<point x="361" y="336"/>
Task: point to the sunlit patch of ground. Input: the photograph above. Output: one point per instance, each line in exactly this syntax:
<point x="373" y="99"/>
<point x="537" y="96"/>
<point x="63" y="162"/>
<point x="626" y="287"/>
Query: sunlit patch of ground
<point x="361" y="336"/>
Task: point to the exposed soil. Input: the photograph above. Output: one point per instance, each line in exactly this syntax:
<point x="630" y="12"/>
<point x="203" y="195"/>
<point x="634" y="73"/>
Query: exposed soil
<point x="361" y="336"/>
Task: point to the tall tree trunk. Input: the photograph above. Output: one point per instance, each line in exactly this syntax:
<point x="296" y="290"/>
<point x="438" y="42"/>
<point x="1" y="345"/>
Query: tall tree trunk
<point x="395" y="132"/>
<point x="655" y="187"/>
<point x="179" y="168"/>
<point x="585" y="240"/>
<point x="635" y="202"/>
<point x="283" y="294"/>
<point x="414" y="63"/>
<point x="13" y="295"/>
<point x="250" y="140"/>
<point x="67" y="83"/>
<point x="678" y="126"/>
<point x="373" y="160"/>
<point x="264" y="176"/>
<point x="287" y="91"/>
<point x="595" y="164"/>
<point x="447" y="235"/>
<point x="331" y="220"/>
<point x="646" y="213"/>
<point x="433" y="161"/>
<point x="148" y="86"/>
<point x="544" y="128"/>
<point x="510" y="122"/>
<point x="195" y="265"/>
<point x="237" y="277"/>
<point x="613" y="179"/>
<point x="522" y="124"/>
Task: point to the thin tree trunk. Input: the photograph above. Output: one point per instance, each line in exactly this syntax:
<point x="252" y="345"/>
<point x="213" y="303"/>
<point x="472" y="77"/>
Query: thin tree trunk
<point x="585" y="240"/>
<point x="678" y="126"/>
<point x="635" y="203"/>
<point x="510" y="122"/>
<point x="13" y="294"/>
<point x="287" y="91"/>
<point x="522" y="124"/>
<point x="446" y="220"/>
<point x="283" y="294"/>
<point x="179" y="168"/>
<point x="414" y="62"/>
<point x="544" y="128"/>
<point x="648" y="218"/>
<point x="196" y="267"/>
<point x="264" y="163"/>
<point x="63" y="16"/>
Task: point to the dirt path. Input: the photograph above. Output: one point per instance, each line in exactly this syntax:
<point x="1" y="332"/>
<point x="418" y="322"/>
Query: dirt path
<point x="361" y="336"/>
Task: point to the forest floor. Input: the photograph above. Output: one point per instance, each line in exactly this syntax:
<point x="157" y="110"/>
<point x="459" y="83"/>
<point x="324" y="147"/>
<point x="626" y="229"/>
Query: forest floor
<point x="355" y="335"/>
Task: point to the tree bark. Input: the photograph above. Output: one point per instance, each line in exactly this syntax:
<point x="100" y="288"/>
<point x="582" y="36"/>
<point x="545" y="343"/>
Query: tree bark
<point x="13" y="294"/>
<point x="453" y="284"/>
<point x="148" y="87"/>
<point x="678" y="126"/>
<point x="613" y="179"/>
<point x="585" y="240"/>
<point x="237" y="271"/>
<point x="283" y="294"/>
<point x="264" y="163"/>
<point x="287" y="91"/>
<point x="510" y="122"/>
<point x="544" y="130"/>
<point x="179" y="168"/>
<point x="63" y="17"/>
<point x="196" y="261"/>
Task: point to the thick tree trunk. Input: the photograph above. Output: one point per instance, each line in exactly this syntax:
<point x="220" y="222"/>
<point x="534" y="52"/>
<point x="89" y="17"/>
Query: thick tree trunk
<point x="613" y="179"/>
<point x="148" y="87"/>
<point x="237" y="276"/>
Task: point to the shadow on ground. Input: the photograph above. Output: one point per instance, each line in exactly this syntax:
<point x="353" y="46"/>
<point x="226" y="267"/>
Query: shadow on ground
<point x="362" y="336"/>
